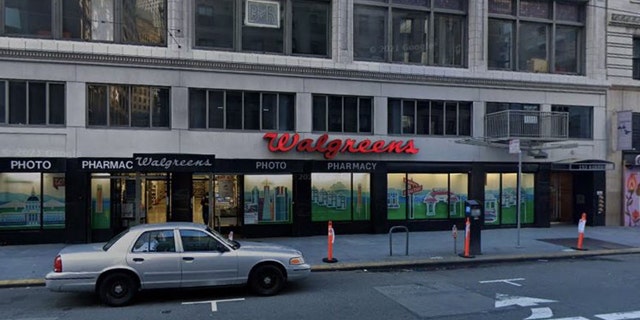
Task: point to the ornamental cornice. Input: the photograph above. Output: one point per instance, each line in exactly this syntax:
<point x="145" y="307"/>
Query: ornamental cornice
<point x="288" y="70"/>
<point x="624" y="20"/>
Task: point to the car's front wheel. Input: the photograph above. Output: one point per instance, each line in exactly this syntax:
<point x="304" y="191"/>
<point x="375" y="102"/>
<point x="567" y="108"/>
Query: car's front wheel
<point x="266" y="280"/>
<point x="117" y="289"/>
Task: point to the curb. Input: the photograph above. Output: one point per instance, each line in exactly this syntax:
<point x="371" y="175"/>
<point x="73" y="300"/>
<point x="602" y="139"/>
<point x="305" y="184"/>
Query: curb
<point x="452" y="261"/>
<point x="21" y="283"/>
<point x="479" y="259"/>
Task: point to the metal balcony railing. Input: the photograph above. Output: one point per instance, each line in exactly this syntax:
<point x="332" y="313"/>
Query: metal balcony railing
<point x="527" y="125"/>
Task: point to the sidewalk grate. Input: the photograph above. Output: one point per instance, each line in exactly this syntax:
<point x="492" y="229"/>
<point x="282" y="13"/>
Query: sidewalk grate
<point x="589" y="243"/>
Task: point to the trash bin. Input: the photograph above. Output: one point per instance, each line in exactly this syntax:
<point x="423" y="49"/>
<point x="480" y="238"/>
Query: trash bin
<point x="475" y="212"/>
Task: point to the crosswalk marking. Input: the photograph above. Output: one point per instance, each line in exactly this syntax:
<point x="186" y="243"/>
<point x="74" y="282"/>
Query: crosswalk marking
<point x="620" y="315"/>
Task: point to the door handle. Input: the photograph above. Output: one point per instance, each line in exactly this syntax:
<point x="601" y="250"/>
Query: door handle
<point x="188" y="258"/>
<point x="138" y="259"/>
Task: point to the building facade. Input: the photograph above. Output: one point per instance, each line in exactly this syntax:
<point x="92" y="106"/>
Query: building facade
<point x="623" y="101"/>
<point x="289" y="114"/>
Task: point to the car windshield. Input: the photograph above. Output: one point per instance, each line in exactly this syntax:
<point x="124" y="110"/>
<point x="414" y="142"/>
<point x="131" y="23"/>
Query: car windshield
<point x="114" y="240"/>
<point x="231" y="243"/>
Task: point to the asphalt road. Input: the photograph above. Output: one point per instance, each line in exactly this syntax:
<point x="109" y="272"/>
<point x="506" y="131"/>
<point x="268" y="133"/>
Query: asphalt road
<point x="603" y="288"/>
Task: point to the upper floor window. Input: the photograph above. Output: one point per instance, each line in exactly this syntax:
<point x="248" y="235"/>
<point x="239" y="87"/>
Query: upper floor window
<point x="342" y="114"/>
<point x="242" y="110"/>
<point x="300" y="27"/>
<point x="122" y="21"/>
<point x="114" y="105"/>
<point x="545" y="36"/>
<point x="580" y="120"/>
<point x="636" y="58"/>
<point x="32" y="102"/>
<point x="427" y="32"/>
<point x="493" y="107"/>
<point x="429" y="117"/>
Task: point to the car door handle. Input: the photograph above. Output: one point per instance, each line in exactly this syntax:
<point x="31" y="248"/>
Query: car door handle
<point x="138" y="259"/>
<point x="188" y="258"/>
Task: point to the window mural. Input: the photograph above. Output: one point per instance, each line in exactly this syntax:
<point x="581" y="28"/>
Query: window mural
<point x="32" y="200"/>
<point x="100" y="203"/>
<point x="631" y="205"/>
<point x="340" y="196"/>
<point x="267" y="199"/>
<point x="501" y="201"/>
<point x="426" y="195"/>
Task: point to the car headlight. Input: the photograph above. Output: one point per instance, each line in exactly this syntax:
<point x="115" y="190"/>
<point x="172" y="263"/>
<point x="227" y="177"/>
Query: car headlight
<point x="296" y="261"/>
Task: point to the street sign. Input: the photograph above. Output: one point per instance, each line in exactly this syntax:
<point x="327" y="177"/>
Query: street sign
<point x="514" y="146"/>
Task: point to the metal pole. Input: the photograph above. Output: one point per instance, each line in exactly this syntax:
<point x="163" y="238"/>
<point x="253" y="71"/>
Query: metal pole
<point x="518" y="195"/>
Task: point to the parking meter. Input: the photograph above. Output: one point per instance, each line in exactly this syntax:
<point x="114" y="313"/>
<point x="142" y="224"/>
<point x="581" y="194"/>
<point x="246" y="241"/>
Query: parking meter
<point x="475" y="212"/>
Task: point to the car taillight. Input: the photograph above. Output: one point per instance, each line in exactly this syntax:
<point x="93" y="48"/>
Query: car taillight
<point x="57" y="264"/>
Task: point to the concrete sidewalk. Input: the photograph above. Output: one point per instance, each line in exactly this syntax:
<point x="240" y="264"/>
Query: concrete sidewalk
<point x="26" y="265"/>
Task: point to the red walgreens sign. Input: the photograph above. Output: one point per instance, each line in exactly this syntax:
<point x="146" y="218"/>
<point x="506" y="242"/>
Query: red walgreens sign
<point x="287" y="142"/>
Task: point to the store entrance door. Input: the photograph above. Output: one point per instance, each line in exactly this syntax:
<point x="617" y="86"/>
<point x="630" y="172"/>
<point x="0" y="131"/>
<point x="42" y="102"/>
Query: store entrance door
<point x="561" y="197"/>
<point x="155" y="199"/>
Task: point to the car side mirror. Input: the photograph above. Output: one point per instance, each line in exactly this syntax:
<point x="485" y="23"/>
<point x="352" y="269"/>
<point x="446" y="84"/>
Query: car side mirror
<point x="220" y="247"/>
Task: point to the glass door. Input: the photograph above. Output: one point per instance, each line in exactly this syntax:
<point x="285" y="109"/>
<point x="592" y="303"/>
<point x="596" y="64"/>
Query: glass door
<point x="226" y="201"/>
<point x="202" y="194"/>
<point x="156" y="202"/>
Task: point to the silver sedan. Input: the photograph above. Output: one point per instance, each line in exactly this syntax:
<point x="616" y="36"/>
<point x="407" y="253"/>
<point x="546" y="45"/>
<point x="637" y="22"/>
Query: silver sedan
<point x="172" y="255"/>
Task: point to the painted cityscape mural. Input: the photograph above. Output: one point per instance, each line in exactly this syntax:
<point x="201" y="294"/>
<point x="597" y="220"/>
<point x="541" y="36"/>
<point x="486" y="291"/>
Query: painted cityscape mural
<point x="340" y="196"/>
<point x="501" y="201"/>
<point x="426" y="196"/>
<point x="32" y="200"/>
<point x="267" y="199"/>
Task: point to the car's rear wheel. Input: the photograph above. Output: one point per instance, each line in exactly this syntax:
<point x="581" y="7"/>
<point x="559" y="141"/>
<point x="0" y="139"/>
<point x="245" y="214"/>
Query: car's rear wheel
<point x="117" y="289"/>
<point x="266" y="280"/>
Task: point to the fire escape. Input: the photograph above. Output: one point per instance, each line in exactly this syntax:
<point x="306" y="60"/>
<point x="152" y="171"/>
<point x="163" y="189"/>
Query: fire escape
<point x="536" y="131"/>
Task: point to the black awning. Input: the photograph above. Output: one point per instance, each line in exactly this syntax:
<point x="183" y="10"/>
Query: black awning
<point x="583" y="165"/>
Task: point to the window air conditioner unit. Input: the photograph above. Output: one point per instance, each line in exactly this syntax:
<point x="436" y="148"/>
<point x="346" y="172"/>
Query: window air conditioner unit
<point x="262" y="14"/>
<point x="538" y="65"/>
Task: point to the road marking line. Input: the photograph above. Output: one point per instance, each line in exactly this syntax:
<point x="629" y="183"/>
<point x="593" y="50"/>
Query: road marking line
<point x="620" y="315"/>
<point x="214" y="303"/>
<point x="503" y="300"/>
<point x="508" y="281"/>
<point x="540" y="313"/>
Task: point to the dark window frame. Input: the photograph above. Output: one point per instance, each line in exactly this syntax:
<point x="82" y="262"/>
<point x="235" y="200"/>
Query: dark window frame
<point x="286" y="27"/>
<point x="119" y="34"/>
<point x="281" y="111"/>
<point x="576" y="114"/>
<point x="636" y="58"/>
<point x="552" y="23"/>
<point x="327" y="114"/>
<point x="129" y="101"/>
<point x="436" y="124"/>
<point x="8" y="110"/>
<point x="431" y="14"/>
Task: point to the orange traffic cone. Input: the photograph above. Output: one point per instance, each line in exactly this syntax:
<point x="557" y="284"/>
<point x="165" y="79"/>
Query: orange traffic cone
<point x="331" y="237"/>
<point x="581" y="226"/>
<point x="467" y="240"/>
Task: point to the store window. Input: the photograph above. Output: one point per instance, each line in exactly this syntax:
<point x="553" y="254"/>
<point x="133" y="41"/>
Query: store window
<point x="429" y="117"/>
<point x="580" y="120"/>
<point x="342" y="114"/>
<point x="544" y="36"/>
<point x="140" y="22"/>
<point x="419" y="196"/>
<point x="32" y="103"/>
<point x="501" y="201"/>
<point x="32" y="201"/>
<point x="414" y="32"/>
<point x="241" y="110"/>
<point x="300" y="27"/>
<point x="128" y="106"/>
<point x="268" y="199"/>
<point x="340" y="197"/>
